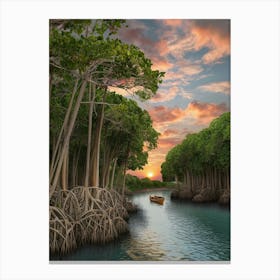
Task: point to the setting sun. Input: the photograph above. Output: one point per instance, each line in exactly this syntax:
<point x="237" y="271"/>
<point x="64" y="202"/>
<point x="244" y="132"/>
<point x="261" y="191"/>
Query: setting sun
<point x="150" y="174"/>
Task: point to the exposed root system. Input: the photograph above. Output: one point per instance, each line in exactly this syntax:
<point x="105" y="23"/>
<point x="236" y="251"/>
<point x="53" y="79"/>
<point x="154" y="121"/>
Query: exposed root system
<point x="85" y="215"/>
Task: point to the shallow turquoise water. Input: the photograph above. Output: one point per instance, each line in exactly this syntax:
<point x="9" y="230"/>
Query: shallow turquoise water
<point x="171" y="232"/>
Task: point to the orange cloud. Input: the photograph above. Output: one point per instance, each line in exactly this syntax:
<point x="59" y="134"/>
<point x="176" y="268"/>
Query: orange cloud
<point x="192" y="69"/>
<point x="214" y="34"/>
<point x="155" y="50"/>
<point x="204" y="113"/>
<point x="161" y="65"/>
<point x="169" y="132"/>
<point x="219" y="87"/>
<point x="161" y="47"/>
<point x="136" y="35"/>
<point x="168" y="142"/>
<point x="173" y="22"/>
<point x="165" y="114"/>
<point x="184" y="73"/>
<point x="166" y="95"/>
<point x="171" y="123"/>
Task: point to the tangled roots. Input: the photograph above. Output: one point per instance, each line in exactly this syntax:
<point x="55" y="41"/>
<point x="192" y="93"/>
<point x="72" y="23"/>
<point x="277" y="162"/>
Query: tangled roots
<point x="85" y="215"/>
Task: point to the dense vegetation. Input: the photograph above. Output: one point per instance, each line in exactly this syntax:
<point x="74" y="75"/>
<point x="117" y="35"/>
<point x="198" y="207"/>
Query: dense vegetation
<point x="96" y="135"/>
<point x="201" y="163"/>
<point x="134" y="183"/>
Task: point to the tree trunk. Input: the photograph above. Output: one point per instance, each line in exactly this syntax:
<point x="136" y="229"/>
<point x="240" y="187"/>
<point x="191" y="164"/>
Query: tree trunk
<point x="177" y="182"/>
<point x="96" y="146"/>
<point x="89" y="134"/>
<point x="203" y="179"/>
<point x="106" y="162"/>
<point x="113" y="172"/>
<point x="67" y="138"/>
<point x="228" y="180"/>
<point x="64" y="174"/>
<point x="124" y="177"/>
<point x="106" y="169"/>
<point x="75" y="167"/>
<point x="184" y="180"/>
<point x="107" y="177"/>
<point x="50" y="86"/>
<point x="219" y="180"/>
<point x="55" y="153"/>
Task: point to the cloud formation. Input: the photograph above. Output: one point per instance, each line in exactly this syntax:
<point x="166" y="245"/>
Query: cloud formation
<point x="186" y="50"/>
<point x="213" y="34"/>
<point x="162" y="114"/>
<point x="202" y="112"/>
<point x="218" y="87"/>
<point x="165" y="95"/>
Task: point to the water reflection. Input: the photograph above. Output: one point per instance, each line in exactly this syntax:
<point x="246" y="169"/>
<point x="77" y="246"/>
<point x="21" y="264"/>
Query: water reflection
<point x="145" y="248"/>
<point x="173" y="231"/>
<point x="180" y="231"/>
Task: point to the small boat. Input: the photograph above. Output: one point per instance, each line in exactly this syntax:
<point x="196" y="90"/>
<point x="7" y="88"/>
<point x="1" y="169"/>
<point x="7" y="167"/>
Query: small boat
<point x="157" y="199"/>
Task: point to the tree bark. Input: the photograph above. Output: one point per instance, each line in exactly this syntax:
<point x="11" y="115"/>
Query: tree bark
<point x="68" y="135"/>
<point x="55" y="154"/>
<point x="89" y="134"/>
<point x="96" y="146"/>
<point x="184" y="180"/>
<point x="107" y="177"/>
<point x="177" y="182"/>
<point x="64" y="174"/>
<point x="228" y="180"/>
<point x="113" y="172"/>
<point x="124" y="177"/>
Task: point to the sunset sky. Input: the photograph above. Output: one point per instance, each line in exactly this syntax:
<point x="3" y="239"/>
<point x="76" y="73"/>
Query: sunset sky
<point x="195" y="54"/>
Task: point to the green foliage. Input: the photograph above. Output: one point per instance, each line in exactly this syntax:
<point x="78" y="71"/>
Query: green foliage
<point x="199" y="151"/>
<point x="89" y="50"/>
<point x="127" y="131"/>
<point x="134" y="183"/>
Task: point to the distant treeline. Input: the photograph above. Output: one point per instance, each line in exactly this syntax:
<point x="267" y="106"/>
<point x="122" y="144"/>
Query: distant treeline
<point x="201" y="163"/>
<point x="134" y="183"/>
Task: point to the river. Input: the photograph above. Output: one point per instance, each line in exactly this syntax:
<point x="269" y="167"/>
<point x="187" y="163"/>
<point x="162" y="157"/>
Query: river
<point x="174" y="231"/>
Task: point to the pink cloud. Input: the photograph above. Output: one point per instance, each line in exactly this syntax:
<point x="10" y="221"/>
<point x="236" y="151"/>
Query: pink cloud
<point x="173" y="22"/>
<point x="192" y="69"/>
<point x="168" y="120"/>
<point x="204" y="113"/>
<point x="163" y="96"/>
<point x="168" y="143"/>
<point x="186" y="71"/>
<point x="169" y="132"/>
<point x="161" y="47"/>
<point x="165" y="114"/>
<point x="161" y="65"/>
<point x="155" y="50"/>
<point x="219" y="87"/>
<point x="214" y="34"/>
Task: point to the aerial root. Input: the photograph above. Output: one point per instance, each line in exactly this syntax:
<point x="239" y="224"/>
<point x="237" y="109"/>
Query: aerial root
<point x="85" y="215"/>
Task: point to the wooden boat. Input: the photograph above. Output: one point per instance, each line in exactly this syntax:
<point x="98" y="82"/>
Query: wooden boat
<point x="157" y="199"/>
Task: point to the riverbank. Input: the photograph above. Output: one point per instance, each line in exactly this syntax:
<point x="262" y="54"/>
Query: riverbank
<point x="152" y="190"/>
<point x="203" y="195"/>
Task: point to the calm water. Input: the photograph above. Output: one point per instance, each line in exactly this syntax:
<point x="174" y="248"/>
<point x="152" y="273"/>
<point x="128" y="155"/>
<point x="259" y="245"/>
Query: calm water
<point x="171" y="232"/>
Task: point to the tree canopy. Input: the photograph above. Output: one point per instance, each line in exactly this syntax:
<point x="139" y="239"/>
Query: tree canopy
<point x="201" y="153"/>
